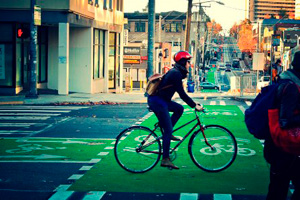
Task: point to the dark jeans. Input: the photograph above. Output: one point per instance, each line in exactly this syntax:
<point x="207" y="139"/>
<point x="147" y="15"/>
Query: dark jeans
<point x="281" y="173"/>
<point x="161" y="108"/>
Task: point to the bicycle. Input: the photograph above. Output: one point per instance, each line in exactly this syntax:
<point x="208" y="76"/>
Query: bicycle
<point x="138" y="149"/>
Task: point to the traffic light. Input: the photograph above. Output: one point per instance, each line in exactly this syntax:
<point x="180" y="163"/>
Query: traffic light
<point x="23" y="33"/>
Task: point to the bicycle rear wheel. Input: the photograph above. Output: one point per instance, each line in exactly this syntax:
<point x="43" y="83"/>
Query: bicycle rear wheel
<point x="137" y="149"/>
<point x="215" y="159"/>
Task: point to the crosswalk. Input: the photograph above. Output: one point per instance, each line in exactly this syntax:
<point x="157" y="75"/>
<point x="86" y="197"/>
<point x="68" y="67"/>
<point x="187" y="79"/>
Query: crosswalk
<point x="25" y="120"/>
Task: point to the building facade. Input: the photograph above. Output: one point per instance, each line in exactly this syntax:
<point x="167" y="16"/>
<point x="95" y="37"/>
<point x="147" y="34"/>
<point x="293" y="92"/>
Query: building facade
<point x="262" y="9"/>
<point x="79" y="48"/>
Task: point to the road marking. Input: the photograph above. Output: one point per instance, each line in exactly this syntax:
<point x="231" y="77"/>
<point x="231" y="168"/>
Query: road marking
<point x="47" y="161"/>
<point x="109" y="148"/>
<point x="85" y="168"/>
<point x="44" y="107"/>
<point x="5" y="132"/>
<point x="94" y="195"/>
<point x="213" y="103"/>
<point x="29" y="114"/>
<point x="75" y="177"/>
<point x="222" y="103"/>
<point x="61" y="193"/>
<point x="248" y="103"/>
<point x="188" y="196"/>
<point x="242" y="109"/>
<point x="36" y="157"/>
<point x="36" y="111"/>
<point x="103" y="153"/>
<point x="222" y="197"/>
<point x="24" y="118"/>
<point x="16" y="124"/>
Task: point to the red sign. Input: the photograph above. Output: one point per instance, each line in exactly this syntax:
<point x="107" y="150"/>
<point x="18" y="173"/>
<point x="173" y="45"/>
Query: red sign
<point x="144" y="57"/>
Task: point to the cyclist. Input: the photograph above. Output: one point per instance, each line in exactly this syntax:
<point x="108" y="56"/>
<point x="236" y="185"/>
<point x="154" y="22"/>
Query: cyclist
<point x="161" y="103"/>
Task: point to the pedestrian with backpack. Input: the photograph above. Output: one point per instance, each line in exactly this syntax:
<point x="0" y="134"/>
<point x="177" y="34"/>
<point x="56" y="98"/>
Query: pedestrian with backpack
<point x="284" y="165"/>
<point x="161" y="102"/>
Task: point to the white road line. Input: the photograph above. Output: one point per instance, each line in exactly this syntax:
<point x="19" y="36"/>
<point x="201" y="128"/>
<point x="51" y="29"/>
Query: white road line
<point x="213" y="103"/>
<point x="248" y="103"/>
<point x="75" y="177"/>
<point x="94" y="195"/>
<point x="47" y="161"/>
<point x="188" y="196"/>
<point x="222" y="103"/>
<point x="36" y="111"/>
<point x="43" y="107"/>
<point x="222" y="197"/>
<point x="24" y="118"/>
<point x="85" y="168"/>
<point x="242" y="109"/>
<point x="61" y="193"/>
<point x="16" y="124"/>
<point x="14" y="131"/>
<point x="103" y="153"/>
<point x="28" y="114"/>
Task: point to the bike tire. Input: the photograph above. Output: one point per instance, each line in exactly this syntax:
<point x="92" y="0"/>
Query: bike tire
<point x="127" y="151"/>
<point x="217" y="160"/>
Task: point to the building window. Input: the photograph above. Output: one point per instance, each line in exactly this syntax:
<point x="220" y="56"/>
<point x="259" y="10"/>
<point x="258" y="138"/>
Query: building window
<point x="174" y="27"/>
<point x="6" y="55"/>
<point x="140" y="26"/>
<point x="98" y="54"/>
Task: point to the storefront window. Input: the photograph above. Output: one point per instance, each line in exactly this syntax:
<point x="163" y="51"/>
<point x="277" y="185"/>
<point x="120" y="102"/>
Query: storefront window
<point x="98" y="54"/>
<point x="112" y="61"/>
<point x="6" y="55"/>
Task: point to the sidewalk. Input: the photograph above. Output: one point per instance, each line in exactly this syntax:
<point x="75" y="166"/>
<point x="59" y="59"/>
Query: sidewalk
<point x="100" y="98"/>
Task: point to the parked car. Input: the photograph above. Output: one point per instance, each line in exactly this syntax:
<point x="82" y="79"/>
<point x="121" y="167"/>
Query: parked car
<point x="245" y="70"/>
<point x="263" y="82"/>
<point x="228" y="69"/>
<point x="208" y="85"/>
<point x="221" y="66"/>
<point x="235" y="63"/>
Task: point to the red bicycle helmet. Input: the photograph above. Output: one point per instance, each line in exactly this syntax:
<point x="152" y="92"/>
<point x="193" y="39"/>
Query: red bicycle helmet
<point x="181" y="55"/>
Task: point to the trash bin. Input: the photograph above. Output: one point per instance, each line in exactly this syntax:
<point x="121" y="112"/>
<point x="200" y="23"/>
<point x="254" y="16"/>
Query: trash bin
<point x="191" y="87"/>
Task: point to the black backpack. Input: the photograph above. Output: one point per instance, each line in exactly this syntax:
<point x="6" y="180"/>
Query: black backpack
<point x="256" y="116"/>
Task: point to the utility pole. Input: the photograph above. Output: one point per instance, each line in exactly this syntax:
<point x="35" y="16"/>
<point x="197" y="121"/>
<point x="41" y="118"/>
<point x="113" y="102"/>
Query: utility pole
<point x="151" y="26"/>
<point x="33" y="42"/>
<point x="188" y="26"/>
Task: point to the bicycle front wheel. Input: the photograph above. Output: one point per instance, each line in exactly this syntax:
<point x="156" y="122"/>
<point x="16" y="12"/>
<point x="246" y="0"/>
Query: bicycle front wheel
<point x="137" y="149"/>
<point x="217" y="157"/>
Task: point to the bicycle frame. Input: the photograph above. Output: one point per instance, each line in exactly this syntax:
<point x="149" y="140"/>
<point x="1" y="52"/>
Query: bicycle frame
<point x="142" y="147"/>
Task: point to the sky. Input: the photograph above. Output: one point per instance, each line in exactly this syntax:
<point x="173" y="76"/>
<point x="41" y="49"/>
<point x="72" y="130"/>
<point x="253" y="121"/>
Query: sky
<point x="226" y="15"/>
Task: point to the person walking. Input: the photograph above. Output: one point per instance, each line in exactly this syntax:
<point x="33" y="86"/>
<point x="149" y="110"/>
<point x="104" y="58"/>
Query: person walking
<point x="161" y="103"/>
<point x="285" y="167"/>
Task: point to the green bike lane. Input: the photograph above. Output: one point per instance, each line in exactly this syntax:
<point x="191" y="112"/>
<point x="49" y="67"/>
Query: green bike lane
<point x="248" y="175"/>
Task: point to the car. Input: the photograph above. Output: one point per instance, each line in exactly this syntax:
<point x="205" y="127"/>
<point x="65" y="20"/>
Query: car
<point x="263" y="82"/>
<point x="221" y="66"/>
<point x="227" y="64"/>
<point x="235" y="63"/>
<point x="246" y="70"/>
<point x="208" y="85"/>
<point x="228" y="69"/>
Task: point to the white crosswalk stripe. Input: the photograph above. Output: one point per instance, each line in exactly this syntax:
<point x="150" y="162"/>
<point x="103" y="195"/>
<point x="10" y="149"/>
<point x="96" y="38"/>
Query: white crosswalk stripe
<point x="23" y="119"/>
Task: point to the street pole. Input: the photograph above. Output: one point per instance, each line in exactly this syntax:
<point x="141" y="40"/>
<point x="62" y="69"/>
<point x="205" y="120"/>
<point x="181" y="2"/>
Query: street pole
<point x="188" y="26"/>
<point x="33" y="42"/>
<point x="151" y="26"/>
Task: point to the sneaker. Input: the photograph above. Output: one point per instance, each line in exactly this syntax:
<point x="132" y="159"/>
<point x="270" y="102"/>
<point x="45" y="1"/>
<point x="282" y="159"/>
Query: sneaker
<point x="167" y="163"/>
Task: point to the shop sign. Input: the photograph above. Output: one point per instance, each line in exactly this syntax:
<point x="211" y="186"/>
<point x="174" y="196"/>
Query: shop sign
<point x="126" y="57"/>
<point x="132" y="61"/>
<point x="132" y="51"/>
